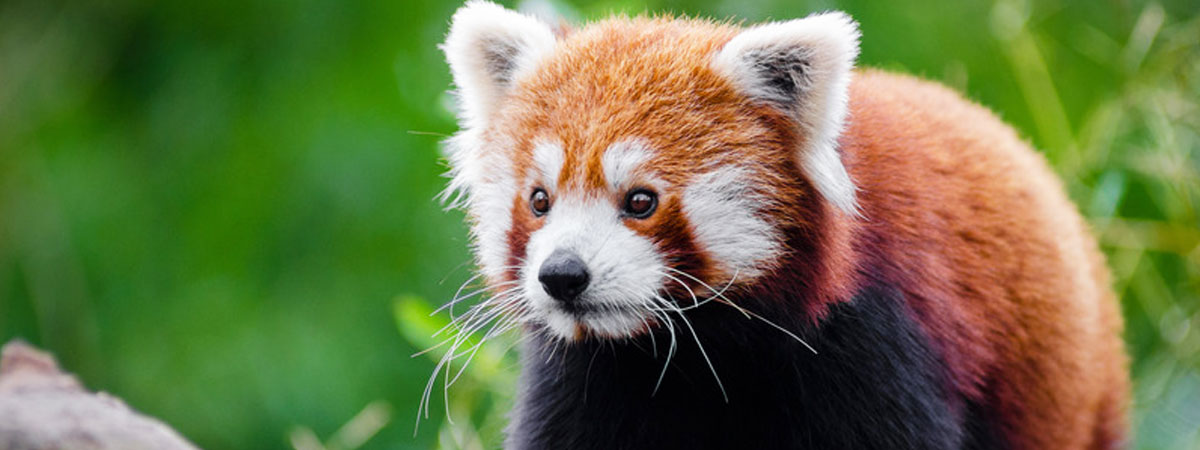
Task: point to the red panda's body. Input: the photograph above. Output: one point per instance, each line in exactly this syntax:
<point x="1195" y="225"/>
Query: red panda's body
<point x="998" y="265"/>
<point x="645" y="181"/>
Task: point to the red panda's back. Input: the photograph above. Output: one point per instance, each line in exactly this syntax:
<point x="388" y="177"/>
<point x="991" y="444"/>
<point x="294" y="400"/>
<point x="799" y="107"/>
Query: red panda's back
<point x="1010" y="284"/>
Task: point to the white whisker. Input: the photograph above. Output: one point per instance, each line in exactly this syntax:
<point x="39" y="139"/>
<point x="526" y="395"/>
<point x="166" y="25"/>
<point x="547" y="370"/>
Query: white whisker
<point x="716" y="294"/>
<point x="501" y="311"/>
<point x="670" y="324"/>
<point x="744" y="311"/>
<point x="457" y="299"/>
<point x="704" y="354"/>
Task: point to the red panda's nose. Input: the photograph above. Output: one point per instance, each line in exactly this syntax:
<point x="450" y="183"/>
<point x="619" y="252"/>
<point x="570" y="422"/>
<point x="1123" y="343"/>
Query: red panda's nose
<point x="563" y="275"/>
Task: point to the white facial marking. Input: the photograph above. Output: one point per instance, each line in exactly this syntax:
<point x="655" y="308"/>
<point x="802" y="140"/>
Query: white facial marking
<point x="725" y="213"/>
<point x="481" y="182"/>
<point x="548" y="158"/>
<point x="815" y="55"/>
<point x="625" y="268"/>
<point x="622" y="162"/>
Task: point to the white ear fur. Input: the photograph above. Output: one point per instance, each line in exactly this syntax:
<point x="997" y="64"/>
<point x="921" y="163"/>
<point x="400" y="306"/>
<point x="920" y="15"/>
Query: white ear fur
<point x="804" y="67"/>
<point x="489" y="48"/>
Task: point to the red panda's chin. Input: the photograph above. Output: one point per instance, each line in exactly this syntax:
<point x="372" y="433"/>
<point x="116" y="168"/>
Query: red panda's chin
<point x="575" y="326"/>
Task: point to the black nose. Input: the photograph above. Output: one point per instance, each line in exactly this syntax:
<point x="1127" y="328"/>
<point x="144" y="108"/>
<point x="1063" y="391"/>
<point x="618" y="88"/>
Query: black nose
<point x="563" y="275"/>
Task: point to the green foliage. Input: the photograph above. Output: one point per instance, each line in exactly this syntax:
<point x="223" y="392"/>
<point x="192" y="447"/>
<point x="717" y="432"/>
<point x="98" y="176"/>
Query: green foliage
<point x="210" y="208"/>
<point x="481" y="373"/>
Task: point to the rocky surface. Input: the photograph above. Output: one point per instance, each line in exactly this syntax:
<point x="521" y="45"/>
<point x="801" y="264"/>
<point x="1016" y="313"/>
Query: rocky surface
<point x="42" y="408"/>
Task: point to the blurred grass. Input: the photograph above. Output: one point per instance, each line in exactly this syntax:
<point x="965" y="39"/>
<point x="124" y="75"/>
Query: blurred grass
<point x="212" y="209"/>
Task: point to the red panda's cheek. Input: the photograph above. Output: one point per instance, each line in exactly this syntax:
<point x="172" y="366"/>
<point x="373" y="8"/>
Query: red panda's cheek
<point x="730" y="221"/>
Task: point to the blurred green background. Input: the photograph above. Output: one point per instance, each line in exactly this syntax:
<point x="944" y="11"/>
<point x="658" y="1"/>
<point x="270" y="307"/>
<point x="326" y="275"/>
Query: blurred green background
<point x="223" y="211"/>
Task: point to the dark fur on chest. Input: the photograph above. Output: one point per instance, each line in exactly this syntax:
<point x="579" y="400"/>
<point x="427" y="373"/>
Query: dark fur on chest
<point x="874" y="384"/>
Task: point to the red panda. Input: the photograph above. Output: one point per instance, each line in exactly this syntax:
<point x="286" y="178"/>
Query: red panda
<point x="722" y="237"/>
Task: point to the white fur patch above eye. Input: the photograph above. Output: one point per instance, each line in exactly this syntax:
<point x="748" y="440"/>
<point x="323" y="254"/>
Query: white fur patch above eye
<point x="622" y="161"/>
<point x="548" y="157"/>
<point x="803" y="67"/>
<point x="489" y="48"/>
<point x="726" y="217"/>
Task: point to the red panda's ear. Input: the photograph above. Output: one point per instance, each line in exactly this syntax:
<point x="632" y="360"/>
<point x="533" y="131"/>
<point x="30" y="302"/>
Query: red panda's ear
<point x="488" y="49"/>
<point x="803" y="67"/>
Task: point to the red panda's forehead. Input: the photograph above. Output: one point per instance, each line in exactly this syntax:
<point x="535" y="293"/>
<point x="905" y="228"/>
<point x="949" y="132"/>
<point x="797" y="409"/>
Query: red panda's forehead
<point x="638" y="79"/>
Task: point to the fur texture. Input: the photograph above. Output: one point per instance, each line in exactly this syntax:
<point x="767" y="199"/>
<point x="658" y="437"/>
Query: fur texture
<point x="952" y="294"/>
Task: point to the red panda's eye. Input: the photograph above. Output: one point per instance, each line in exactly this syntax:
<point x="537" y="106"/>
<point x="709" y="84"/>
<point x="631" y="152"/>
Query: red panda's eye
<point x="640" y="204"/>
<point x="539" y="202"/>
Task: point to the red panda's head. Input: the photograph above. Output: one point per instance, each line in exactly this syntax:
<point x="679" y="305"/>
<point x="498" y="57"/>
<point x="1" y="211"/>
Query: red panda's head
<point x="612" y="172"/>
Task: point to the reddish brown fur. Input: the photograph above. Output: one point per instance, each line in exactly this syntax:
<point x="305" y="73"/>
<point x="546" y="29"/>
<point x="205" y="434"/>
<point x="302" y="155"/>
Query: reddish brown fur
<point x="959" y="214"/>
<point x="1011" y="282"/>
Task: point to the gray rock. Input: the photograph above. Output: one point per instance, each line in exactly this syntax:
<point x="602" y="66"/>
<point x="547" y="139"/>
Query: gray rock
<point x="42" y="408"/>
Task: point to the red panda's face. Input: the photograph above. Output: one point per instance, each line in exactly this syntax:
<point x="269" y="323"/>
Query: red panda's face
<point x="607" y="257"/>
<point x="624" y="171"/>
